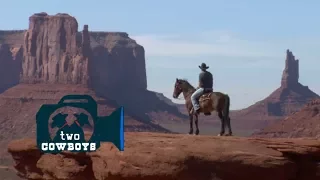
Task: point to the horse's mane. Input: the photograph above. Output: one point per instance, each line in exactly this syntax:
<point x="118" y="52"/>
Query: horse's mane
<point x="186" y="82"/>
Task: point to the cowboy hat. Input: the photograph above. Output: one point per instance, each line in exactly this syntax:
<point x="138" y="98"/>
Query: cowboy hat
<point x="203" y="66"/>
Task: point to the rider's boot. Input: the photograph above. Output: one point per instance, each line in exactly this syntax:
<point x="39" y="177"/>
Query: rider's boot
<point x="197" y="112"/>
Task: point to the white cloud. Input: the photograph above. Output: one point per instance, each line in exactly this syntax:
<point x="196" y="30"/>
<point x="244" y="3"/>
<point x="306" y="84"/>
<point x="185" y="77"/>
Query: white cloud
<point x="213" y="43"/>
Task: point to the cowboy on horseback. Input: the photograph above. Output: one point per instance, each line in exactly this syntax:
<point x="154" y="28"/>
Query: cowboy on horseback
<point x="205" y="85"/>
<point x="209" y="101"/>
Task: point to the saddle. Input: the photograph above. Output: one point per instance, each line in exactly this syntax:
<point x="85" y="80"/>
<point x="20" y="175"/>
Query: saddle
<point x="206" y="95"/>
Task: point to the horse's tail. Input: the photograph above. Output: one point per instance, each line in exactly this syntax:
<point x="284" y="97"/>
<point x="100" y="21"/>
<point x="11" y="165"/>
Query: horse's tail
<point x="226" y="107"/>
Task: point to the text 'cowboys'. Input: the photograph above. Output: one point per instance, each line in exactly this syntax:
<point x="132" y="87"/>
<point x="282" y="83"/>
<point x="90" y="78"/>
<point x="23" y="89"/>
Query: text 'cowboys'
<point x="71" y="144"/>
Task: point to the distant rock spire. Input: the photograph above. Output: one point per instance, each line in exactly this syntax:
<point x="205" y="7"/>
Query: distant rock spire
<point x="290" y="75"/>
<point x="86" y="49"/>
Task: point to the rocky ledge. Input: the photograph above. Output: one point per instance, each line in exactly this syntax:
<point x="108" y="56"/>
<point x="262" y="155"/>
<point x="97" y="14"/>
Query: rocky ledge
<point x="167" y="156"/>
<point x="304" y="123"/>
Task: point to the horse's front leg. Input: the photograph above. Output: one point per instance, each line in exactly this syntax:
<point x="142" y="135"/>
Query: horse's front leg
<point x="191" y="123"/>
<point x="196" y="122"/>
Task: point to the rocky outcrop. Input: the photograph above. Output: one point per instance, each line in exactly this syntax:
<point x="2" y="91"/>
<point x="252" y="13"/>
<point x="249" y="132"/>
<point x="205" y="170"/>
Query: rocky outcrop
<point x="11" y="55"/>
<point x="162" y="97"/>
<point x="10" y="66"/>
<point x="119" y="62"/>
<point x="304" y="123"/>
<point x="13" y="38"/>
<point x="290" y="75"/>
<point x="56" y="59"/>
<point x="111" y="63"/>
<point x="164" y="156"/>
<point x="51" y="53"/>
<point x="290" y="97"/>
<point x="55" y="52"/>
<point x="19" y="105"/>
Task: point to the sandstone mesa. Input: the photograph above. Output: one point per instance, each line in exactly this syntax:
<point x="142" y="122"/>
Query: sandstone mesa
<point x="52" y="51"/>
<point x="51" y="59"/>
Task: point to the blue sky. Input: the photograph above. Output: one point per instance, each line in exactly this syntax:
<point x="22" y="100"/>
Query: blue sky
<point x="243" y="42"/>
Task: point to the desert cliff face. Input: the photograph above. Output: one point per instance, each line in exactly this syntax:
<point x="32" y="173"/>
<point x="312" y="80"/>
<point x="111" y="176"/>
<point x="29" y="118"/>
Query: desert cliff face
<point x="11" y="56"/>
<point x="10" y="66"/>
<point x="55" y="52"/>
<point x="118" y="61"/>
<point x="52" y="59"/>
<point x="304" y="123"/>
<point x="51" y="54"/>
<point x="13" y="38"/>
<point x="175" y="157"/>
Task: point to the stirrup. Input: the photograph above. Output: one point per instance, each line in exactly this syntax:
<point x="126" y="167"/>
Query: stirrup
<point x="192" y="111"/>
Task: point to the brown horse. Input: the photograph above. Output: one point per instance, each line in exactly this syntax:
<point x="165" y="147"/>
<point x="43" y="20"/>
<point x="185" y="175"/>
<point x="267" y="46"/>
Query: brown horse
<point x="209" y="102"/>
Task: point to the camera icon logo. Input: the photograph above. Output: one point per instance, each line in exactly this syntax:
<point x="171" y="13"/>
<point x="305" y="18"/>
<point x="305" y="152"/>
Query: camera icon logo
<point x="71" y="136"/>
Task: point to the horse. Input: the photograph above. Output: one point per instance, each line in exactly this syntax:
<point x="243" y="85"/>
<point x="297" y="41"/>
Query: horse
<point x="209" y="102"/>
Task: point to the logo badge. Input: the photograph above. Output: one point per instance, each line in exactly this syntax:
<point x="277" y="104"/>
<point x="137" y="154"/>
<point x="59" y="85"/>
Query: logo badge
<point x="74" y="135"/>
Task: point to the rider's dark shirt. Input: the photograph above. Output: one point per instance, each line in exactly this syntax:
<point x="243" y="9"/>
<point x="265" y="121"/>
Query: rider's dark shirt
<point x="206" y="80"/>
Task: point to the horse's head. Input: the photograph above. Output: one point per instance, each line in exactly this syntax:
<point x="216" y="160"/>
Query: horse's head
<point x="82" y="119"/>
<point x="177" y="88"/>
<point x="59" y="120"/>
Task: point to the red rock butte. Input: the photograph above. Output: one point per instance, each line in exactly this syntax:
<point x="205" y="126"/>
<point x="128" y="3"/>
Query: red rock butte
<point x="288" y="98"/>
<point x="51" y="59"/>
<point x="55" y="52"/>
<point x="52" y="51"/>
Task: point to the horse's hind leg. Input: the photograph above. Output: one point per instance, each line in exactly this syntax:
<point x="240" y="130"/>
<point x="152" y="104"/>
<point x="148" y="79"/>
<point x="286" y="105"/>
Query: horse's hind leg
<point x="191" y="123"/>
<point x="222" y="123"/>
<point x="229" y="126"/>
<point x="196" y="122"/>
